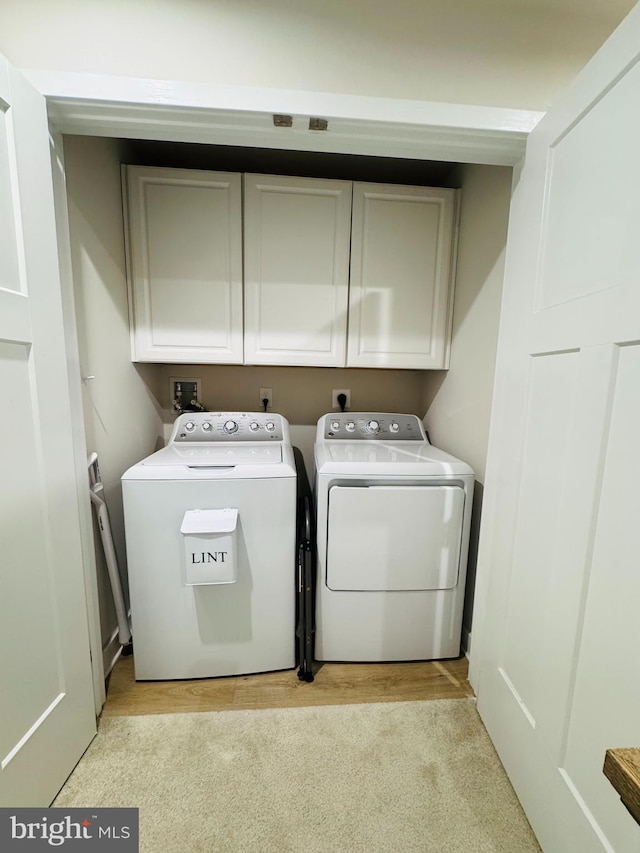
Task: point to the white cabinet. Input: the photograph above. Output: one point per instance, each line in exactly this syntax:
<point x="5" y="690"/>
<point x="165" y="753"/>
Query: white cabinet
<point x="401" y="268"/>
<point x="185" y="256"/>
<point x="296" y="272"/>
<point x="323" y="285"/>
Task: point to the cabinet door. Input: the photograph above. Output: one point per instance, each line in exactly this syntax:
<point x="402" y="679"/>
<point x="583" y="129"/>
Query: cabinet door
<point x="185" y="276"/>
<point x="401" y="269"/>
<point x="296" y="270"/>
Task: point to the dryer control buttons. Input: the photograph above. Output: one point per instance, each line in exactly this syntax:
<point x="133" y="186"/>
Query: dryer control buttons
<point x="254" y="425"/>
<point x="189" y="426"/>
<point x="207" y="426"/>
<point x="370" y="426"/>
<point x="270" y="426"/>
<point x="229" y="427"/>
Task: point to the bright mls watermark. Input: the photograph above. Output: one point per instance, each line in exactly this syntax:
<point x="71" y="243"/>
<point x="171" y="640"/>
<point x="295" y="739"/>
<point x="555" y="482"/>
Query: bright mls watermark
<point x="69" y="829"/>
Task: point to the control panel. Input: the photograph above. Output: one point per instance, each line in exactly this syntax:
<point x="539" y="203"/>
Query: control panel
<point x="380" y="426"/>
<point x="228" y="427"/>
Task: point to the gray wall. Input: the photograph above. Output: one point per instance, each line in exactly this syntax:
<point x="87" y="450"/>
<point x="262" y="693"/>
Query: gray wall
<point x="458" y="401"/>
<point x="123" y="422"/>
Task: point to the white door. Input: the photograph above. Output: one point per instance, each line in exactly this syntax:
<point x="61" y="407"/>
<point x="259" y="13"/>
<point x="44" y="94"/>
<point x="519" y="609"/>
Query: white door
<point x="47" y="716"/>
<point x="556" y="639"/>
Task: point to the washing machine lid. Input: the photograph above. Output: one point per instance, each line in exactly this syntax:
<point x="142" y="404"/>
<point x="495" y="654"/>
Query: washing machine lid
<point x="377" y="458"/>
<point x="202" y="456"/>
<point x="215" y="461"/>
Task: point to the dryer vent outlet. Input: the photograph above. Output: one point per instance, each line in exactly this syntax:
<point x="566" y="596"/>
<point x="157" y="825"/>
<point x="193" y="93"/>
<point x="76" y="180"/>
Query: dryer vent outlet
<point x="335" y="402"/>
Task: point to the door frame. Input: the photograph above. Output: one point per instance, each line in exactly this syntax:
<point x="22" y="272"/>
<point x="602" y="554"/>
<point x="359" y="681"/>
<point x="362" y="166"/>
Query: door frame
<point x="134" y="108"/>
<point x="79" y="440"/>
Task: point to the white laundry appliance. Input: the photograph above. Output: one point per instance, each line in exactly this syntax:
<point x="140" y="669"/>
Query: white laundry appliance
<point x="393" y="519"/>
<point x="211" y="547"/>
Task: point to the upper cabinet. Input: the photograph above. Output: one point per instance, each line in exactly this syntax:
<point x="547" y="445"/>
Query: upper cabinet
<point x="401" y="269"/>
<point x="335" y="273"/>
<point x="296" y="271"/>
<point x="185" y="256"/>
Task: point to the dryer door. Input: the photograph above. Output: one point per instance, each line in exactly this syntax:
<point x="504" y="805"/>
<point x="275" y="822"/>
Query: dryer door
<point x="394" y="537"/>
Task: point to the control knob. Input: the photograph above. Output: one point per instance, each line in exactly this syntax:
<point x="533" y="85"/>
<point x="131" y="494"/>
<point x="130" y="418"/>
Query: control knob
<point x="350" y="425"/>
<point x="270" y="426"/>
<point x="254" y="425"/>
<point x="230" y="427"/>
<point x="189" y="426"/>
<point x="373" y="427"/>
<point x="206" y="426"/>
<point x="394" y="427"/>
<point x="335" y="425"/>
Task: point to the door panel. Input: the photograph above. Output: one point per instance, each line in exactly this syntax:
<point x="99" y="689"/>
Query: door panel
<point x="555" y="631"/>
<point x="296" y="247"/>
<point x="22" y="510"/>
<point x="46" y="707"/>
<point x="185" y="245"/>
<point x="583" y="175"/>
<point x="549" y="409"/>
<point x="608" y="664"/>
<point x="400" y="285"/>
<point x="394" y="537"/>
<point x="9" y="278"/>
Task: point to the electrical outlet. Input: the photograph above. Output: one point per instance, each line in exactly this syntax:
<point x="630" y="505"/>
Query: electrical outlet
<point x="335" y="405"/>
<point x="265" y="394"/>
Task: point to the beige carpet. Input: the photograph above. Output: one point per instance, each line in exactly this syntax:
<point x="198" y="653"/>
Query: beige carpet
<point x="397" y="777"/>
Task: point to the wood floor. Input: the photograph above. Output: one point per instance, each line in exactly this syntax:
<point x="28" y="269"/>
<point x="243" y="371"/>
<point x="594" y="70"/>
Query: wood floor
<point x="334" y="684"/>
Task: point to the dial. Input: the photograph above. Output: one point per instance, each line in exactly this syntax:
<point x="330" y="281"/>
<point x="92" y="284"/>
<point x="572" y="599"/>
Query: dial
<point x="254" y="425"/>
<point x="350" y="425"/>
<point x="189" y="426"/>
<point x="230" y="427"/>
<point x="270" y="426"/>
<point x="373" y="427"/>
<point x="335" y="425"/>
<point x="394" y="427"/>
<point x="206" y="426"/>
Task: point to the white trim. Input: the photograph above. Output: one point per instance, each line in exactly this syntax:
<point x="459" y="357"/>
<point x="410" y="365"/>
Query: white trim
<point x="77" y="417"/>
<point x="102" y="105"/>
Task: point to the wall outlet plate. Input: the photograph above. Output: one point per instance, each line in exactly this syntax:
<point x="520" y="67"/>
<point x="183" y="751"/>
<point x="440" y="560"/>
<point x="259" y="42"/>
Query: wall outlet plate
<point x="335" y="405"/>
<point x="265" y="394"/>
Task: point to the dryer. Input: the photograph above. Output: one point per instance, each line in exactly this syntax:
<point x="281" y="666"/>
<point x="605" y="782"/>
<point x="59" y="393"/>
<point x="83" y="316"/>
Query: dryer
<point x="210" y="524"/>
<point x="393" y="520"/>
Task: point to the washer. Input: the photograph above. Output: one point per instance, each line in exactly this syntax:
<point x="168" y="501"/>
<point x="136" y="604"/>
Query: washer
<point x="211" y="545"/>
<point x="393" y="519"/>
